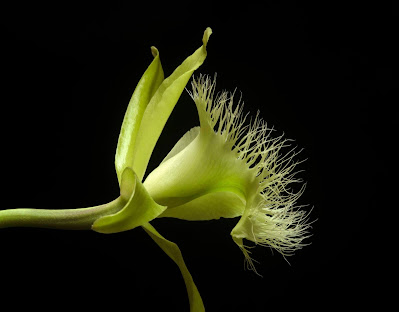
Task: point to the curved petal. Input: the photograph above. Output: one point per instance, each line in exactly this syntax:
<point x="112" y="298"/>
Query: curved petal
<point x="173" y="251"/>
<point x="185" y="140"/>
<point x="161" y="106"/>
<point x="145" y="89"/>
<point x="140" y="208"/>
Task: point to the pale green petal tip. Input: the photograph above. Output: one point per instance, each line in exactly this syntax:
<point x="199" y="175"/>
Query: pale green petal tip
<point x="185" y="140"/>
<point x="207" y="34"/>
<point x="154" y="52"/>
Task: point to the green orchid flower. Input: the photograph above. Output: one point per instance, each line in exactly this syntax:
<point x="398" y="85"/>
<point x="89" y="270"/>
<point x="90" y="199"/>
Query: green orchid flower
<point x="223" y="168"/>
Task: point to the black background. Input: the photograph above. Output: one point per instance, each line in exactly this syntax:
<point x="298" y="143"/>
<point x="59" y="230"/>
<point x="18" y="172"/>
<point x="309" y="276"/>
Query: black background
<point x="315" y="71"/>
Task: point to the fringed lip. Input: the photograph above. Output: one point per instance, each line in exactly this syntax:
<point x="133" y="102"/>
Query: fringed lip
<point x="271" y="216"/>
<point x="229" y="151"/>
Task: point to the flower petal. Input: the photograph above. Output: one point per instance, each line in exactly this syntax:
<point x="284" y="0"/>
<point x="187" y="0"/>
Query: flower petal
<point x="161" y="106"/>
<point x="173" y="251"/>
<point x="142" y="95"/>
<point x="140" y="208"/>
<point x="185" y="140"/>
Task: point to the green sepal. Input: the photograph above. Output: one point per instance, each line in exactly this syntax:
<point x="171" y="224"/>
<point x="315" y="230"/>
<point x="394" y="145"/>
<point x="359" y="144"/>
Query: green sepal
<point x="173" y="251"/>
<point x="140" y="207"/>
<point x="145" y="89"/>
<point x="161" y="106"/>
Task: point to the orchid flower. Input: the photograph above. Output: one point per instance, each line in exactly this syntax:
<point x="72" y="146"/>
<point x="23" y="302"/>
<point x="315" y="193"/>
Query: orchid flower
<point x="227" y="167"/>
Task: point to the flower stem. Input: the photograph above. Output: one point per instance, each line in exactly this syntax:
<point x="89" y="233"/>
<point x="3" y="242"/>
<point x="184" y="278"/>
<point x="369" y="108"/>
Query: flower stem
<point x="65" y="219"/>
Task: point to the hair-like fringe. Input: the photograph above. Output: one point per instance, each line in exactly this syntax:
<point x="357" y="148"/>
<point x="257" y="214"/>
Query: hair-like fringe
<point x="276" y="220"/>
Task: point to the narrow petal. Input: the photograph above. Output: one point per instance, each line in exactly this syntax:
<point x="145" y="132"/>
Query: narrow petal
<point x="145" y="89"/>
<point x="140" y="208"/>
<point x="173" y="251"/>
<point x="161" y="106"/>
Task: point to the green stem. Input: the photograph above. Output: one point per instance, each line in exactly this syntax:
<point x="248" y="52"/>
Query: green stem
<point x="65" y="219"/>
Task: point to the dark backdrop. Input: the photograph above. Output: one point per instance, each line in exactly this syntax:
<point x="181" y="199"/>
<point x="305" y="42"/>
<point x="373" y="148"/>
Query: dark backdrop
<point x="313" y="70"/>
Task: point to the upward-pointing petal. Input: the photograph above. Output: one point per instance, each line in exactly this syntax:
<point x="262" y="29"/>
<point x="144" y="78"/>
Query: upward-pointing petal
<point x="161" y="106"/>
<point x="142" y="95"/>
